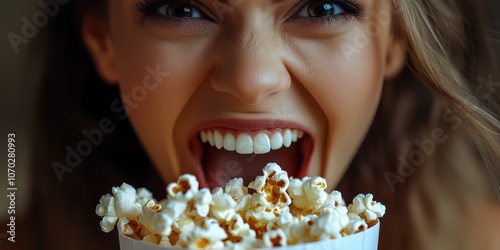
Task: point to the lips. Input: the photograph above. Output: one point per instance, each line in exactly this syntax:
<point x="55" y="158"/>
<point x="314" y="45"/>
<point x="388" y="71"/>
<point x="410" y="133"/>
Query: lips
<point x="225" y="149"/>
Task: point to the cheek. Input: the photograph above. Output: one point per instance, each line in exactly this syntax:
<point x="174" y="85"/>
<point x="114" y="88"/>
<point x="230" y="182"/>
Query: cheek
<point x="355" y="85"/>
<point x="156" y="78"/>
<point x="346" y="87"/>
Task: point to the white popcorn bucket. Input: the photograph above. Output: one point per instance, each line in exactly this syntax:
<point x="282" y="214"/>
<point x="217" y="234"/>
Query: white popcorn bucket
<point x="366" y="240"/>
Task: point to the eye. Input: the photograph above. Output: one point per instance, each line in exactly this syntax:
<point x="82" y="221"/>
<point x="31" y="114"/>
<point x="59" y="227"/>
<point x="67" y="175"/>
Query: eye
<point x="320" y="8"/>
<point x="173" y="9"/>
<point x="179" y="10"/>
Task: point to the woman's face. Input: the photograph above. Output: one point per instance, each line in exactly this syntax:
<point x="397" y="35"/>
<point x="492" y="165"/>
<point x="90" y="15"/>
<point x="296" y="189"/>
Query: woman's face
<point x="220" y="88"/>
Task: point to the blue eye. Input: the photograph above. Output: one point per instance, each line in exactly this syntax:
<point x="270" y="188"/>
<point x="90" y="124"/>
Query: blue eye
<point x="320" y="8"/>
<point x="179" y="10"/>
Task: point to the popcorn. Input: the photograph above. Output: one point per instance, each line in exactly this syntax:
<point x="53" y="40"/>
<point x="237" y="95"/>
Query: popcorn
<point x="299" y="230"/>
<point x="208" y="237"/>
<point x="184" y="224"/>
<point x="154" y="221"/>
<point x="222" y="205"/>
<point x="125" y="228"/>
<point x="356" y="226"/>
<point x="114" y="207"/>
<point x="162" y="224"/>
<point x="106" y="209"/>
<point x="239" y="228"/>
<point x="272" y="185"/>
<point x="239" y="193"/>
<point x="202" y="199"/>
<point x="165" y="241"/>
<point x="125" y="201"/>
<point x="261" y="215"/>
<point x="282" y="211"/>
<point x="175" y="208"/>
<point x="297" y="193"/>
<point x="275" y="238"/>
<point x="143" y="196"/>
<point x="285" y="219"/>
<point x="329" y="226"/>
<point x="335" y="199"/>
<point x="366" y="207"/>
<point x="148" y="211"/>
<point x="181" y="193"/>
<point x="315" y="190"/>
<point x="184" y="189"/>
<point x="309" y="193"/>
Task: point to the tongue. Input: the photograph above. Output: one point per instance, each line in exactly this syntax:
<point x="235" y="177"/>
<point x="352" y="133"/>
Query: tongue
<point x="220" y="165"/>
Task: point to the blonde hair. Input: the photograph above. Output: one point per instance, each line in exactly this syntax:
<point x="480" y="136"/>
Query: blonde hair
<point x="448" y="53"/>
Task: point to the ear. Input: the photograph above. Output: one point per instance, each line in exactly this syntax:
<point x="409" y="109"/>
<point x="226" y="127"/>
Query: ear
<point x="97" y="38"/>
<point x="395" y="59"/>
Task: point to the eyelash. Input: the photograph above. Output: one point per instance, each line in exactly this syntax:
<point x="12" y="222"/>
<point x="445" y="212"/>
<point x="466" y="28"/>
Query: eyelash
<point x="149" y="10"/>
<point x="351" y="10"/>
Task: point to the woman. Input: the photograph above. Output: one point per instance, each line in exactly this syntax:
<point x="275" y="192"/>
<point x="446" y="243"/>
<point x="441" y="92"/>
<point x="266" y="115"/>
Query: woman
<point x="391" y="97"/>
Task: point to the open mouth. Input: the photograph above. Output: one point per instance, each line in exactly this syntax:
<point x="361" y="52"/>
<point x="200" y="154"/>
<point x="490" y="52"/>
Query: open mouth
<point x="222" y="154"/>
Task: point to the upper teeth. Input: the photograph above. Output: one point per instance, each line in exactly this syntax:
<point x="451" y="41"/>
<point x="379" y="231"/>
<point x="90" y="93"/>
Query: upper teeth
<point x="244" y="143"/>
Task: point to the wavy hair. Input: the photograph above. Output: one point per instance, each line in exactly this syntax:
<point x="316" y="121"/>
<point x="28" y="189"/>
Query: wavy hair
<point x="437" y="154"/>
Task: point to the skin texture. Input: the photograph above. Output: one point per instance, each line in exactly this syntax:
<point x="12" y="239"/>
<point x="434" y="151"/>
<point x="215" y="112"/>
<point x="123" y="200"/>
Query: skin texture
<point x="252" y="61"/>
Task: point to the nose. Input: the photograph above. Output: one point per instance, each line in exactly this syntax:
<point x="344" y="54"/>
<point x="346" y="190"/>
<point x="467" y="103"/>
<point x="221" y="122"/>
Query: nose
<point x="250" y="68"/>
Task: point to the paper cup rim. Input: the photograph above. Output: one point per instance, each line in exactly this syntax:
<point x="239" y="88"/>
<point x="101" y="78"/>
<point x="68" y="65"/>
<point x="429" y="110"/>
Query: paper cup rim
<point x="366" y="240"/>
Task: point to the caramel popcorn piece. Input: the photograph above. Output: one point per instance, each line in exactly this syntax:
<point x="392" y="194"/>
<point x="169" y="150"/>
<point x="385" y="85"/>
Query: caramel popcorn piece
<point x="273" y="185"/>
<point x="184" y="189"/>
